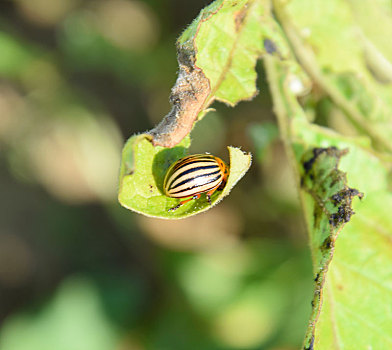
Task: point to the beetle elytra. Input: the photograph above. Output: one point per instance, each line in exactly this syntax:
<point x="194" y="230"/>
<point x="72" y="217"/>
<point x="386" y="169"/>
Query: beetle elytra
<point x="193" y="175"/>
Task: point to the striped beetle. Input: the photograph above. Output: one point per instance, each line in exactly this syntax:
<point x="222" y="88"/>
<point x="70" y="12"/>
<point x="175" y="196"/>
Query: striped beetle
<point x="193" y="175"/>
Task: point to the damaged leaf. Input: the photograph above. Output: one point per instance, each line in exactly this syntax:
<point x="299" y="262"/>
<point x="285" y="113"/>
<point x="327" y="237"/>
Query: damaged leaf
<point x="350" y="239"/>
<point x="214" y="64"/>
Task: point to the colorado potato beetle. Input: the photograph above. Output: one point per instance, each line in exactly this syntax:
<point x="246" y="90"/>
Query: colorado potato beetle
<point x="193" y="175"/>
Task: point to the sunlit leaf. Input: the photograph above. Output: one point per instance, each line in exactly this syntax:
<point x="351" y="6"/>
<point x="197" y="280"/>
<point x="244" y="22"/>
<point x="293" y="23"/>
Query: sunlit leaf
<point x="326" y="40"/>
<point x="348" y="238"/>
<point x="227" y="59"/>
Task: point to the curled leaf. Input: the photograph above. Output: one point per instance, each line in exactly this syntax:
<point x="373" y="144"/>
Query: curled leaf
<point x="143" y="170"/>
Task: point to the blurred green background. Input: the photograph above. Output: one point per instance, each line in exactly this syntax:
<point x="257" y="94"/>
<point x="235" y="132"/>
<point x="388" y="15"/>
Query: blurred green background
<point x="77" y="271"/>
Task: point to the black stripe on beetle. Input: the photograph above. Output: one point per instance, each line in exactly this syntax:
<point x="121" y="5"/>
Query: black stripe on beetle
<point x="193" y="175"/>
<point x="203" y="159"/>
<point x="192" y="170"/>
<point x="194" y="184"/>
<point x="196" y="181"/>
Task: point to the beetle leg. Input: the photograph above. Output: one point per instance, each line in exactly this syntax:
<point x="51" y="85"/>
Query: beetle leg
<point x="196" y="196"/>
<point x="209" y="194"/>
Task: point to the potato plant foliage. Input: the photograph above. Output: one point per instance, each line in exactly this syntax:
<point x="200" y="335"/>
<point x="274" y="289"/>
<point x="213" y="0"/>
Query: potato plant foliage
<point x="335" y="52"/>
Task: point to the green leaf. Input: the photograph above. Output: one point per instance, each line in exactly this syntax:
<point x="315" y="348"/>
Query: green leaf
<point x="333" y="57"/>
<point x="352" y="257"/>
<point x="228" y="39"/>
<point x="357" y="292"/>
<point x="374" y="19"/>
<point x="143" y="170"/>
<point x="228" y="45"/>
<point x="317" y="47"/>
<point x="214" y="64"/>
<point x="351" y="253"/>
